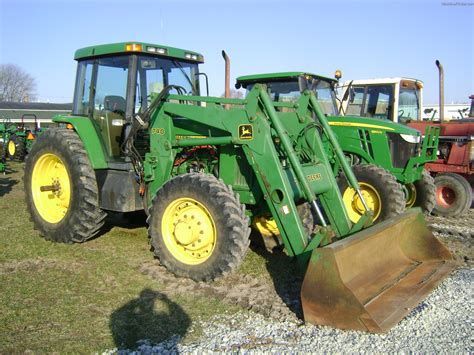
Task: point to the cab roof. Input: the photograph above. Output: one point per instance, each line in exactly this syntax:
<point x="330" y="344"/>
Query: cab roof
<point x="255" y="78"/>
<point x="137" y="47"/>
<point x="381" y="81"/>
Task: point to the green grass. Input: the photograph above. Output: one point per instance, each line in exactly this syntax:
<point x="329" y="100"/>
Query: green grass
<point x="86" y="297"/>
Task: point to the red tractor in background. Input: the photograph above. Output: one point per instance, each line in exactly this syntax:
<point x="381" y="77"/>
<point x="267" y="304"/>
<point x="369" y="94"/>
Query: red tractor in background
<point x="454" y="168"/>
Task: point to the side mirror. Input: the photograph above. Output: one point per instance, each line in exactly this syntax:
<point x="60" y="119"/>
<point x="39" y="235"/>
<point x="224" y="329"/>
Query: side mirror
<point x="349" y="91"/>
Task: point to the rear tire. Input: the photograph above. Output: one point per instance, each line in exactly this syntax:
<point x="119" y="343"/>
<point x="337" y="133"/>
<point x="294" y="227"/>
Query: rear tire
<point x="69" y="213"/>
<point x="198" y="228"/>
<point x="453" y="195"/>
<point x="422" y="193"/>
<point x="383" y="194"/>
<point x="16" y="149"/>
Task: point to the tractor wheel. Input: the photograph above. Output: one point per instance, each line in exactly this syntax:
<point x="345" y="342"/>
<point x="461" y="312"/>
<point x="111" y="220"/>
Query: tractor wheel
<point x="61" y="188"/>
<point x="381" y="191"/>
<point x="197" y="227"/>
<point x="422" y="193"/>
<point x="453" y="195"/>
<point x="16" y="149"/>
<point x="268" y="234"/>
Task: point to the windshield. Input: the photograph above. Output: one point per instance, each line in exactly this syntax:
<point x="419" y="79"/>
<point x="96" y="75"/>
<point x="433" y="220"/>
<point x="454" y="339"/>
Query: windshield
<point x="371" y="101"/>
<point x="408" y="105"/>
<point x="156" y="73"/>
<point x="326" y="97"/>
<point x="102" y="83"/>
<point x="290" y="91"/>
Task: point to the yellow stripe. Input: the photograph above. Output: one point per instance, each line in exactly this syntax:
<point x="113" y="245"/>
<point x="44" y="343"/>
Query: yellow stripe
<point x="365" y="125"/>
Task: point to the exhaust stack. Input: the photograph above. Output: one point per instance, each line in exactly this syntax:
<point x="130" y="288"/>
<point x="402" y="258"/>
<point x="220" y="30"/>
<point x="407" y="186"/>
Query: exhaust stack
<point x="441" y="90"/>
<point x="227" y="74"/>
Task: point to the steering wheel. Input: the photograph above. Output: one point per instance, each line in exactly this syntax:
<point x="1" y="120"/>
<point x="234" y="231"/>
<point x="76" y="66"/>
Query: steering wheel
<point x="401" y="113"/>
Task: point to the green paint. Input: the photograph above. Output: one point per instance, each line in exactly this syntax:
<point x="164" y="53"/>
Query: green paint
<point x="120" y="48"/>
<point x="367" y="139"/>
<point x="88" y="133"/>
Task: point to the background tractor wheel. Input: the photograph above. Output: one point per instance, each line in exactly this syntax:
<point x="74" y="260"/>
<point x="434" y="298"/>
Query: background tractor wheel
<point x="198" y="227"/>
<point x="61" y="188"/>
<point x="422" y="193"/>
<point x="383" y="194"/>
<point x="16" y="149"/>
<point x="453" y="195"/>
<point x="267" y="234"/>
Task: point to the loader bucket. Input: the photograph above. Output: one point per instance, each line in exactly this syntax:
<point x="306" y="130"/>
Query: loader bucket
<point x="371" y="280"/>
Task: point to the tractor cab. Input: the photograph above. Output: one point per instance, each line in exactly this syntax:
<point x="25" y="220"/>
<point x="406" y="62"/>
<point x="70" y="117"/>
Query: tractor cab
<point x="287" y="87"/>
<point x="116" y="81"/>
<point x="393" y="99"/>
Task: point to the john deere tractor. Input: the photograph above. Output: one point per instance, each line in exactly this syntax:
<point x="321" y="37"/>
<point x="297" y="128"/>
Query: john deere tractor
<point x="387" y="158"/>
<point x="203" y="168"/>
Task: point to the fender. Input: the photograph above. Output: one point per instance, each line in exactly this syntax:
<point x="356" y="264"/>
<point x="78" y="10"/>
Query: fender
<point x="90" y="137"/>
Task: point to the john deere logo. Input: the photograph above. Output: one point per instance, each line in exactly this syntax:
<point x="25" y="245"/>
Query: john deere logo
<point x="245" y="131"/>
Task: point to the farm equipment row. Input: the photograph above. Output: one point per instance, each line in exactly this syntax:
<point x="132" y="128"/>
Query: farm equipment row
<point x="17" y="139"/>
<point x="205" y="169"/>
<point x="400" y="100"/>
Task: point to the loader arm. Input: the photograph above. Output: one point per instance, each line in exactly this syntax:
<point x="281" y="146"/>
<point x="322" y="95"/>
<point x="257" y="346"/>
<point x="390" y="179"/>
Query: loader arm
<point x="255" y="127"/>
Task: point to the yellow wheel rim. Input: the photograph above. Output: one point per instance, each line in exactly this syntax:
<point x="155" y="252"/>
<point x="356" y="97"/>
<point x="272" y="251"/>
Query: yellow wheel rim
<point x="266" y="226"/>
<point x="51" y="188"/>
<point x="188" y="230"/>
<point x="354" y="205"/>
<point x="411" y="195"/>
<point x="11" y="148"/>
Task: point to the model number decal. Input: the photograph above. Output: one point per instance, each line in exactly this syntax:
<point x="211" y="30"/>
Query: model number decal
<point x="159" y="131"/>
<point x="314" y="177"/>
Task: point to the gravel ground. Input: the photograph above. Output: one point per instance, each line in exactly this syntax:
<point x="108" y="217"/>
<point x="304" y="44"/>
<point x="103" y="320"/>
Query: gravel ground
<point x="441" y="323"/>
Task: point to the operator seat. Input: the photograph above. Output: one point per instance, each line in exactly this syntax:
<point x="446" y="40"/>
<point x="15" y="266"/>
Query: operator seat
<point x="113" y="119"/>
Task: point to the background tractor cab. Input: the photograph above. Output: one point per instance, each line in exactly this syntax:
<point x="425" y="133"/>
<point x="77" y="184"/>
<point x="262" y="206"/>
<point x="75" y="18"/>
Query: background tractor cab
<point x="393" y="99"/>
<point x="288" y="86"/>
<point x="113" y="88"/>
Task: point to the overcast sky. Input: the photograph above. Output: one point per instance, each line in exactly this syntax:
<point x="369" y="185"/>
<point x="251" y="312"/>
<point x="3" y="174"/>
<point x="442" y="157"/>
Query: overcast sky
<point x="365" y="39"/>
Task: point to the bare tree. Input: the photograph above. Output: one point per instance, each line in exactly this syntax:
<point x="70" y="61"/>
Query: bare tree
<point x="235" y="94"/>
<point x="16" y="84"/>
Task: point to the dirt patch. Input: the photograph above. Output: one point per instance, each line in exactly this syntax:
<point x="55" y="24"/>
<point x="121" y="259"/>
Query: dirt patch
<point x="249" y="292"/>
<point x="35" y="265"/>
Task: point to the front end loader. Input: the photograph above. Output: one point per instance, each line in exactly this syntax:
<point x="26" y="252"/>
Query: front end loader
<point x="203" y="168"/>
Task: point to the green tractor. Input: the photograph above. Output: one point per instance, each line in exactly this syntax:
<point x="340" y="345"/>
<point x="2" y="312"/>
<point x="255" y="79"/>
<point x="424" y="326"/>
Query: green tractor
<point x="203" y="168"/>
<point x="22" y="139"/>
<point x="9" y="140"/>
<point x="386" y="158"/>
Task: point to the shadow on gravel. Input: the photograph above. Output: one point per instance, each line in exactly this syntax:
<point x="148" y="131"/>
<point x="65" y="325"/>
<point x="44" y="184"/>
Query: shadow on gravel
<point x="152" y="316"/>
<point x="287" y="277"/>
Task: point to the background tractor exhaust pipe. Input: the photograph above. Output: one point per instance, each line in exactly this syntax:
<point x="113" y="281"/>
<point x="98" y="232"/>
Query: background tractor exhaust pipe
<point x="227" y="78"/>
<point x="441" y="90"/>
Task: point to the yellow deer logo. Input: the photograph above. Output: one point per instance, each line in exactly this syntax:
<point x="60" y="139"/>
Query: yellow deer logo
<point x="245" y="132"/>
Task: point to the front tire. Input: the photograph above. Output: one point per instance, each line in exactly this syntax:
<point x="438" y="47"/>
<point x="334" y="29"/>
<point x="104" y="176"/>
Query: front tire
<point x="453" y="195"/>
<point x="381" y="191"/>
<point x="198" y="228"/>
<point x="61" y="189"/>
<point x="422" y="193"/>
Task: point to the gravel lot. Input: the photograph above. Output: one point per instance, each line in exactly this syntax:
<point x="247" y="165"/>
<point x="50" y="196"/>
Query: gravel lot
<point x="441" y="323"/>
